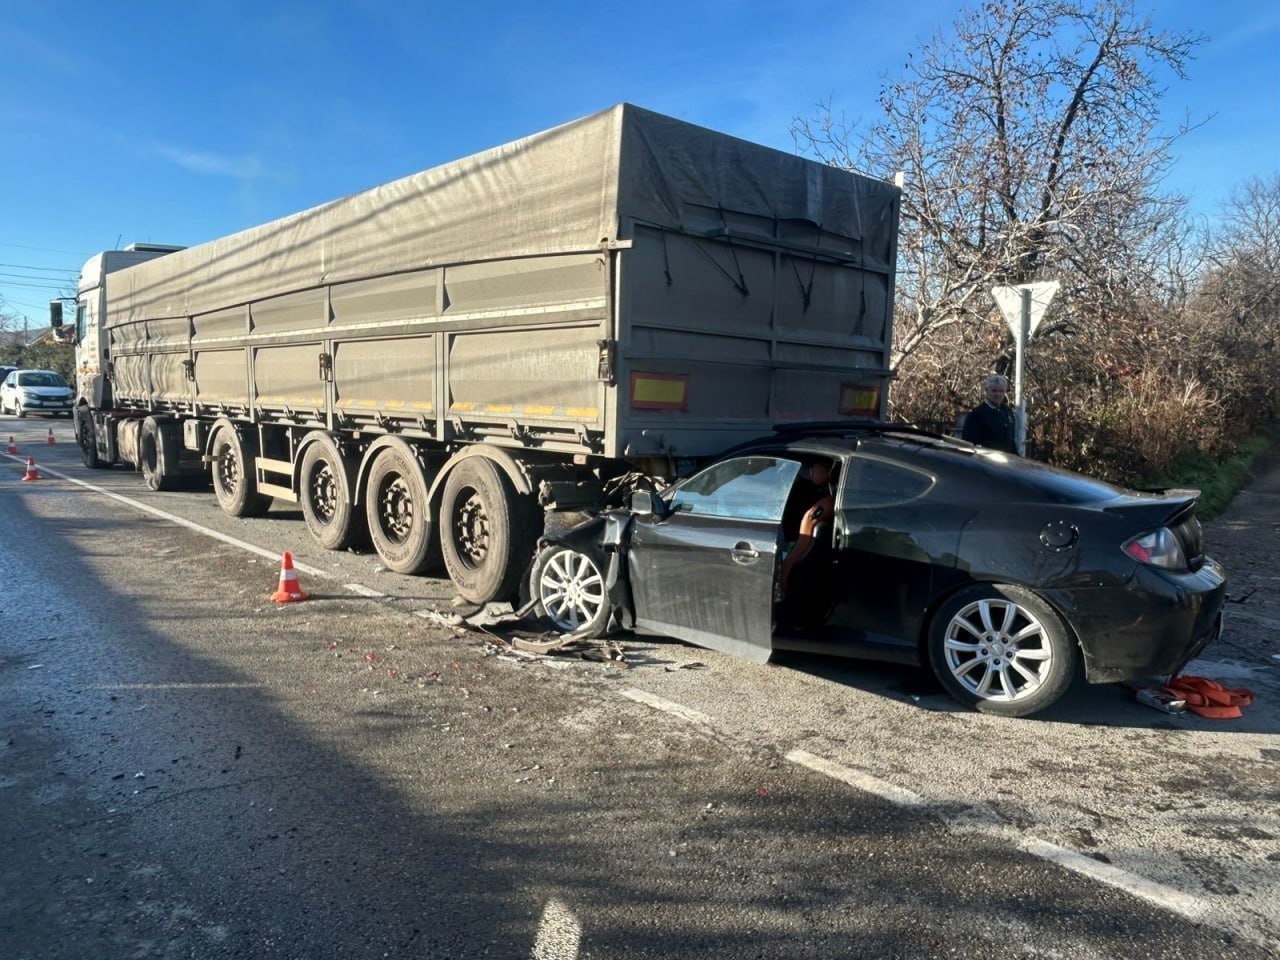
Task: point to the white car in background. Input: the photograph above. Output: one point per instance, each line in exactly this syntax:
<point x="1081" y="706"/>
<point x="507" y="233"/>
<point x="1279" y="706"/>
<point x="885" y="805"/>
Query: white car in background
<point x="35" y="391"/>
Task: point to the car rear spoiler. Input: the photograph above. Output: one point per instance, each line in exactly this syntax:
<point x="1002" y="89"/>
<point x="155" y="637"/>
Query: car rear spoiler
<point x="1156" y="509"/>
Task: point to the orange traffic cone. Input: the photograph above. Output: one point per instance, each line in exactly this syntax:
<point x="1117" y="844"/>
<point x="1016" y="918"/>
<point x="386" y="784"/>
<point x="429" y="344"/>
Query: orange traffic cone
<point x="289" y="590"/>
<point x="13" y="447"/>
<point x="51" y="441"/>
<point x="32" y="473"/>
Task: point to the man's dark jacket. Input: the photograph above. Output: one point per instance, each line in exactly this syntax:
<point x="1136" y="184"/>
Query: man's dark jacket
<point x="992" y="427"/>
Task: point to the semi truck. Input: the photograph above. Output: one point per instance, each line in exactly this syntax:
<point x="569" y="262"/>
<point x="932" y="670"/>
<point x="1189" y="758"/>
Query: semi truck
<point x="434" y="364"/>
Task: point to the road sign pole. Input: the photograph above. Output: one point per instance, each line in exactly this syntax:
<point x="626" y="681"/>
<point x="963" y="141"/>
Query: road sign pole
<point x="1023" y="307"/>
<point x="1019" y="399"/>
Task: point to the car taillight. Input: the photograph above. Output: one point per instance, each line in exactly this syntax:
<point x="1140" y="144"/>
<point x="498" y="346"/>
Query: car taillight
<point x="1159" y="548"/>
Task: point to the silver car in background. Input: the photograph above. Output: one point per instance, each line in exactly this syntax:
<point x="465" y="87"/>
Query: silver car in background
<point x="35" y="391"/>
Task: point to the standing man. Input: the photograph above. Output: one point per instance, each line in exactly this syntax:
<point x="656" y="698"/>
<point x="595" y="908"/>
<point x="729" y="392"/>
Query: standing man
<point x="991" y="423"/>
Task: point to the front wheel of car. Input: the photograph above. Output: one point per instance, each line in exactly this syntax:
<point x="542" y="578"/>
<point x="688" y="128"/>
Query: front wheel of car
<point x="1002" y="649"/>
<point x="570" y="588"/>
<point x="18" y="409"/>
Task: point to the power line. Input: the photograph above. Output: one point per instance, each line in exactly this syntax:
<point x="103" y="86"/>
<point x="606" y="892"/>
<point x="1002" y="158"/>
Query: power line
<point x="32" y="266"/>
<point x="35" y="286"/>
<point x="23" y="246"/>
<point x="37" y="277"/>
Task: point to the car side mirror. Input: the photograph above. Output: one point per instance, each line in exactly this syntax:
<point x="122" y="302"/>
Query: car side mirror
<point x="646" y="503"/>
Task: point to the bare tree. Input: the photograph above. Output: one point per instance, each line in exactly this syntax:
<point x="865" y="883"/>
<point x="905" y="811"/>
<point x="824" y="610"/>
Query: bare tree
<point x="1235" y="313"/>
<point x="1030" y="141"/>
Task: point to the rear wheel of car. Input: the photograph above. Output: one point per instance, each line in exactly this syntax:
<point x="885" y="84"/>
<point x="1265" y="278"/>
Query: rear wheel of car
<point x="570" y="589"/>
<point x="1002" y="650"/>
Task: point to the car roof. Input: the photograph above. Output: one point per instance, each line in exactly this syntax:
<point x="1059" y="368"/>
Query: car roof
<point x="839" y="437"/>
<point x="988" y="473"/>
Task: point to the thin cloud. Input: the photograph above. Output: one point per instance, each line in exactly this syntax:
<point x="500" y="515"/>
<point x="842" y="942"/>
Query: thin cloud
<point x="211" y="164"/>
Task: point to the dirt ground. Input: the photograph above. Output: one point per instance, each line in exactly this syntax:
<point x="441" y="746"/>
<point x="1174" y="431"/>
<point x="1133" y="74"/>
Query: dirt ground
<point x="1245" y="538"/>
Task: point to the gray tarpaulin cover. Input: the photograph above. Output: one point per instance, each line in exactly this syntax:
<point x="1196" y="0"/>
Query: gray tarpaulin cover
<point x="567" y="189"/>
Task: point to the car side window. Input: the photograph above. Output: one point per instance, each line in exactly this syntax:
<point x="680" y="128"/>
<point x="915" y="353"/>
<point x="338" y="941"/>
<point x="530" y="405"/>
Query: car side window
<point x="746" y="488"/>
<point x="871" y="483"/>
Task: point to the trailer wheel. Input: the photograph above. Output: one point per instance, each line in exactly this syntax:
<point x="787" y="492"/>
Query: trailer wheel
<point x="398" y="512"/>
<point x="158" y="451"/>
<point x="487" y="532"/>
<point x="234" y="485"/>
<point x="325" y="496"/>
<point x="87" y="439"/>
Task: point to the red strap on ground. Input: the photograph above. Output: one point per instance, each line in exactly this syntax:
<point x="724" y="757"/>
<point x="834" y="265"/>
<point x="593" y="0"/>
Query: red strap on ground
<point x="1206" y="698"/>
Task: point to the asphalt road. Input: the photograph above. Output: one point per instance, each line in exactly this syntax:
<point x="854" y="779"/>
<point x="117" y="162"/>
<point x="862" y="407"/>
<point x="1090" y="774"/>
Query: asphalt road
<point x="190" y="770"/>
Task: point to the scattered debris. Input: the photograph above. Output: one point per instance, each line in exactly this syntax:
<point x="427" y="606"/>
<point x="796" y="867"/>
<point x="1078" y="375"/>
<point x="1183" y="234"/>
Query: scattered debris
<point x="513" y="645"/>
<point x="1160" y="700"/>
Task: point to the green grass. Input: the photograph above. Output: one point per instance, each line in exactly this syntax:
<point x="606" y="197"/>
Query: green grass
<point x="1220" y="480"/>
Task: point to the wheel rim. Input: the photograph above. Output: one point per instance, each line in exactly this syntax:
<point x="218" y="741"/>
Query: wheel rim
<point x="997" y="650"/>
<point x="323" y="493"/>
<point x="571" y="589"/>
<point x="395" y="509"/>
<point x="471" y="530"/>
<point x="229" y="471"/>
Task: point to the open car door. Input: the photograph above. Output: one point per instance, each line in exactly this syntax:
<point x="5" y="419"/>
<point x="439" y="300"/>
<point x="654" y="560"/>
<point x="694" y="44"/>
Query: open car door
<point x="703" y="571"/>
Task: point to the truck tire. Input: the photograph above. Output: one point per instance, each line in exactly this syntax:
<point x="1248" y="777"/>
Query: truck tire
<point x="325" y="496"/>
<point x="87" y="439"/>
<point x="158" y="452"/>
<point x="487" y="531"/>
<point x="398" y="512"/>
<point x="234" y="484"/>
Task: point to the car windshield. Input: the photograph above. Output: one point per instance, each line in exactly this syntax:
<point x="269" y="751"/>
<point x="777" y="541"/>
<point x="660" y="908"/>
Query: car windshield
<point x="40" y="378"/>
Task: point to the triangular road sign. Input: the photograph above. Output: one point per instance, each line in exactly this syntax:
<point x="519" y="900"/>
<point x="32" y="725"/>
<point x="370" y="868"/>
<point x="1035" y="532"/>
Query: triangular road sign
<point x="1009" y="300"/>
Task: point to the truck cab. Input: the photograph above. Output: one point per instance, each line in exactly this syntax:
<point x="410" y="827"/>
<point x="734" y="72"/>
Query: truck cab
<point x="90" y="338"/>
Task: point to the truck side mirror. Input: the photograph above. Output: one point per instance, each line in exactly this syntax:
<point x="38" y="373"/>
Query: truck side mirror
<point x="55" y="314"/>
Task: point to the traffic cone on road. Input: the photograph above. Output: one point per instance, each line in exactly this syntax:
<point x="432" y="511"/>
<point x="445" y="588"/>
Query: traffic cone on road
<point x="13" y="447"/>
<point x="51" y="441"/>
<point x="32" y="473"/>
<point x="289" y="591"/>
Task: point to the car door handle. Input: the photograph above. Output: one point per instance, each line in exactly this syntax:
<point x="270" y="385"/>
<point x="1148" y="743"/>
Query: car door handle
<point x="744" y="552"/>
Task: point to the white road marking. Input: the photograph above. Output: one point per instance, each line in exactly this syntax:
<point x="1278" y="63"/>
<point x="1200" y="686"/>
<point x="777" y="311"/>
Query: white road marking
<point x="204" y="531"/>
<point x="559" y="933"/>
<point x="1167" y="898"/>
<point x="1175" y="901"/>
<point x="856" y="778"/>
<point x="180" y="521"/>
<point x="177" y="686"/>
<point x="668" y="706"/>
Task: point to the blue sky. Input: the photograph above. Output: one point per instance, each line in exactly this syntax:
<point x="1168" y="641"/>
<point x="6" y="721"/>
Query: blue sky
<point x="179" y="123"/>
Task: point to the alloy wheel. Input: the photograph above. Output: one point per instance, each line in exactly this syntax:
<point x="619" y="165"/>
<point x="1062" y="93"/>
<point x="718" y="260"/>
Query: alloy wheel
<point x="998" y="650"/>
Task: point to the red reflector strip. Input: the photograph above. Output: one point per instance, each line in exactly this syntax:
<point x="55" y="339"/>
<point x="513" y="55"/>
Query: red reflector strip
<point x="859" y="400"/>
<point x="659" y="391"/>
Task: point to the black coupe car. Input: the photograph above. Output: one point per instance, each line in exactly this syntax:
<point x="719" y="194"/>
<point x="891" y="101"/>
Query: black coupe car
<point x="1002" y="574"/>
